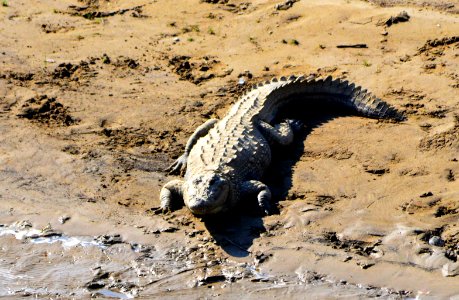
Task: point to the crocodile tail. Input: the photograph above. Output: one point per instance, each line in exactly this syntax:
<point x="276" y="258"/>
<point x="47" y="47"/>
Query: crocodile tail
<point x="355" y="97"/>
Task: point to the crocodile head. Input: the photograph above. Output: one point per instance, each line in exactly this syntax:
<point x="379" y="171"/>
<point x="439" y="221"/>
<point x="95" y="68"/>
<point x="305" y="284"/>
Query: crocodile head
<point x="206" y="193"/>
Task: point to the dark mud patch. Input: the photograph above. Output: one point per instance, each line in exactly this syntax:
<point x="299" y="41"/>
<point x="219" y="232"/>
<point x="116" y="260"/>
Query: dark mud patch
<point x="312" y="198"/>
<point x="56" y="27"/>
<point x="231" y="7"/>
<point x="351" y="246"/>
<point x="45" y="110"/>
<point x="446" y="139"/>
<point x="197" y="70"/>
<point x="94" y="10"/>
<point x="17" y="76"/>
<point x="432" y="46"/>
<point x="338" y="154"/>
<point x="125" y="62"/>
<point x="442" y="5"/>
<point x="73" y="72"/>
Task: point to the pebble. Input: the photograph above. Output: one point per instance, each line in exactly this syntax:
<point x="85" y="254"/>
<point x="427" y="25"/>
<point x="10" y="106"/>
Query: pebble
<point x="436" y="241"/>
<point x="241" y="81"/>
<point x="63" y="219"/>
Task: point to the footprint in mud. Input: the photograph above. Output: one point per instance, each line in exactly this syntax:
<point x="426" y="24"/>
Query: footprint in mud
<point x="445" y="139"/>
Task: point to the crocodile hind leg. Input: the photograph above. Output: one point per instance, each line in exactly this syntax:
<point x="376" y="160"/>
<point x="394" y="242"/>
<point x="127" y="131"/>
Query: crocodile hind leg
<point x="179" y="166"/>
<point x="281" y="133"/>
<point x="263" y="194"/>
<point x="171" y="194"/>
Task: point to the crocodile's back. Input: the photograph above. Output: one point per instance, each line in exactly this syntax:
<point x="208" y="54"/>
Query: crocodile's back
<point x="234" y="147"/>
<point x="237" y="148"/>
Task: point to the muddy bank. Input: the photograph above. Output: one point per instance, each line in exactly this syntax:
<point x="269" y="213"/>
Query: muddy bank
<point x="98" y="97"/>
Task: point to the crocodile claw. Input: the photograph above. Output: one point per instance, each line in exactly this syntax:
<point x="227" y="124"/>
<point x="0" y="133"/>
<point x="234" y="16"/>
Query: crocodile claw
<point x="179" y="165"/>
<point x="160" y="210"/>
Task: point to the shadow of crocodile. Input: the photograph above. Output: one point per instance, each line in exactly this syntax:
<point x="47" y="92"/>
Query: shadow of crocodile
<point x="235" y="232"/>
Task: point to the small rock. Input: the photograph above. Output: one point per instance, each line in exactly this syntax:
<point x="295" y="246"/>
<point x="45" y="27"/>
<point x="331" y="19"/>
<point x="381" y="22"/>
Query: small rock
<point x="94" y="285"/>
<point x="401" y="17"/>
<point x="260" y="257"/>
<point x="108" y="240"/>
<point x="241" y="81"/>
<point x="63" y="219"/>
<point x="176" y="40"/>
<point x="285" y="5"/>
<point x="405" y="58"/>
<point x="429" y="66"/>
<point x="436" y="241"/>
<point x="365" y="265"/>
<point x="449" y="175"/>
<point x="428" y="194"/>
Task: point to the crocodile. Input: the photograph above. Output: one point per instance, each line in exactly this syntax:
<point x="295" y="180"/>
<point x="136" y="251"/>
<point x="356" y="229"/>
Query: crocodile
<point x="224" y="160"/>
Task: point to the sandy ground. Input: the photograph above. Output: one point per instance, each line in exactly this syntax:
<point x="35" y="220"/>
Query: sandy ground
<point x="98" y="97"/>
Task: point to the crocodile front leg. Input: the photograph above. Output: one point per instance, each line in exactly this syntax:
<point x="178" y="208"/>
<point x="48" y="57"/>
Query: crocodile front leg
<point x="171" y="194"/>
<point x="281" y="133"/>
<point x="180" y="164"/>
<point x="262" y="191"/>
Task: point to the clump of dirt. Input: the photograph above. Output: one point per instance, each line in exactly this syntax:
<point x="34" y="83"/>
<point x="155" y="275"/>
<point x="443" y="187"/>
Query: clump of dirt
<point x="231" y="7"/>
<point x="53" y="28"/>
<point x="19" y="76"/>
<point x="285" y="5"/>
<point x="401" y="17"/>
<point x="123" y="62"/>
<point x="72" y="71"/>
<point x="353" y="246"/>
<point x="446" y="139"/>
<point x="435" y="43"/>
<point x="93" y="10"/>
<point x="46" y="111"/>
<point x="196" y="70"/>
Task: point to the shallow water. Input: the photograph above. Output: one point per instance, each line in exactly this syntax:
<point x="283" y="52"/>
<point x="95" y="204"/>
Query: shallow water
<point x="65" y="266"/>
